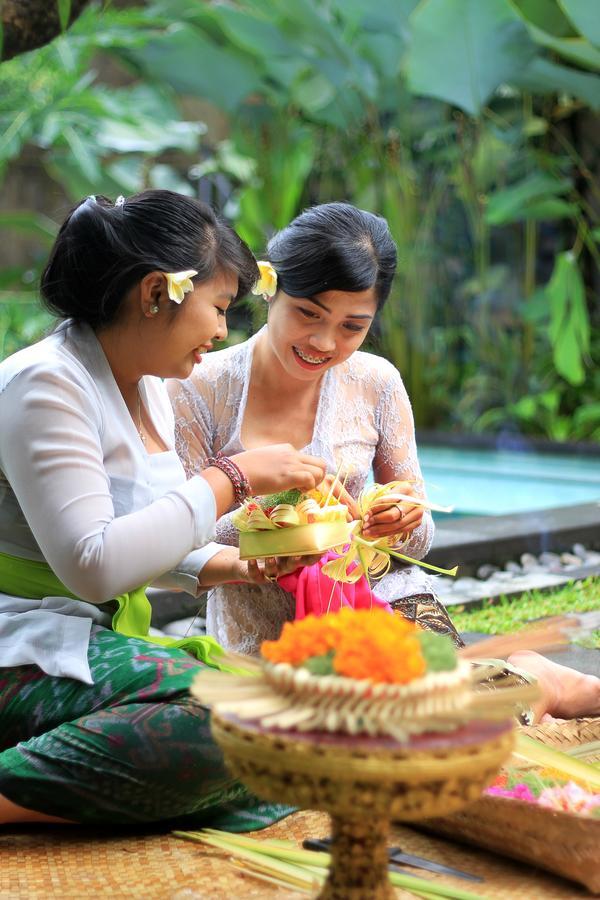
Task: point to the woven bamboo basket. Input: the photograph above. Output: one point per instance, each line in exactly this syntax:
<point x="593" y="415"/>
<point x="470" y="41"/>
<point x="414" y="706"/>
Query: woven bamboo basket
<point x="566" y="844"/>
<point x="364" y="783"/>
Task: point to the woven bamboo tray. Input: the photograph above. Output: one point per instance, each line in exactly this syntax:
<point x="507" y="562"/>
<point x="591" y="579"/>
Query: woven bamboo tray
<point x="363" y="782"/>
<point x="566" y="844"/>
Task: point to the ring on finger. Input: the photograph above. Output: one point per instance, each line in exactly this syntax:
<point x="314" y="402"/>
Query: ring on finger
<point x="400" y="511"/>
<point x="271" y="578"/>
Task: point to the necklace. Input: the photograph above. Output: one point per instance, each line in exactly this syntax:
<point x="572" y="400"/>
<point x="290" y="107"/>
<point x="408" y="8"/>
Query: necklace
<point x="139" y="419"/>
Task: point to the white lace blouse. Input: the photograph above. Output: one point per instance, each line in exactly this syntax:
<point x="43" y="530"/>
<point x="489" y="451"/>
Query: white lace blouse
<point x="364" y="421"/>
<point x="79" y="491"/>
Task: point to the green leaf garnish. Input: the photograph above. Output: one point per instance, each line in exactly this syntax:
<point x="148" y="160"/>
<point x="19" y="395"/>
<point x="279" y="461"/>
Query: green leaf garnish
<point x="438" y="650"/>
<point x="320" y="665"/>
<point x="269" y="500"/>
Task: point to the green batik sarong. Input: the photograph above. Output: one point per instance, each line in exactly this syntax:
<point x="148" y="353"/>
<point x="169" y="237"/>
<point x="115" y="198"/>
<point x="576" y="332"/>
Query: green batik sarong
<point x="133" y="746"/>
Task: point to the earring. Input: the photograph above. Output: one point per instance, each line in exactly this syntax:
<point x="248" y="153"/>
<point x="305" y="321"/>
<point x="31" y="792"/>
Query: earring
<point x="154" y="309"/>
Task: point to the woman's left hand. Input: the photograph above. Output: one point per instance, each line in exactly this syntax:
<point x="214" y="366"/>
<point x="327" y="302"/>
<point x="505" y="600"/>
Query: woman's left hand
<point x="226" y="567"/>
<point x="263" y="571"/>
<point x="387" y="518"/>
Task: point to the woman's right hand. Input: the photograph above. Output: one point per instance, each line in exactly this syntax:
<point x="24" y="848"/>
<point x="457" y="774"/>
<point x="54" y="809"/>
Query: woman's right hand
<point x="280" y="467"/>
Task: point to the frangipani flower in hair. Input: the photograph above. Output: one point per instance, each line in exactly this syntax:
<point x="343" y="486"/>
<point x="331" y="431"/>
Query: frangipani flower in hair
<point x="179" y="283"/>
<point x="267" y="283"/>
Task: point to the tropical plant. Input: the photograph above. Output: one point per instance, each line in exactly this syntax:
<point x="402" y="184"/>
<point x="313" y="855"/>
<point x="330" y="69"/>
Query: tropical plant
<point x="457" y="121"/>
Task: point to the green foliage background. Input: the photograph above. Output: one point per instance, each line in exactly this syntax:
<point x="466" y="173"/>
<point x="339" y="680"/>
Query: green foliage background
<point x="462" y="122"/>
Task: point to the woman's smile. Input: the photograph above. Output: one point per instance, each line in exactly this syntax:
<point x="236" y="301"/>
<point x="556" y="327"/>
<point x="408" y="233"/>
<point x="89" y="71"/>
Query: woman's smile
<point x="310" y="360"/>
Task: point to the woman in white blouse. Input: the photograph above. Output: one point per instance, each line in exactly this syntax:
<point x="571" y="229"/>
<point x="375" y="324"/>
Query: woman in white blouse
<point x="95" y="721"/>
<point x="303" y="378"/>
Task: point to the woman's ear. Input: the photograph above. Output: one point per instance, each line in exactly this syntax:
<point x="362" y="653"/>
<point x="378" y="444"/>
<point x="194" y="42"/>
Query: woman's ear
<point x="153" y="294"/>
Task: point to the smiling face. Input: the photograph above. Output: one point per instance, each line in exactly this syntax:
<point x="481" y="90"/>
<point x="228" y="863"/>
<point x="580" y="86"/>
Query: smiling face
<point x="180" y="336"/>
<point x="310" y="335"/>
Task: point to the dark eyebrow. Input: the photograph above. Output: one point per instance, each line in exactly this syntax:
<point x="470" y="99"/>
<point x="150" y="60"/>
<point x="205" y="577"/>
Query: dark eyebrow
<point x="322" y="305"/>
<point x="229" y="297"/>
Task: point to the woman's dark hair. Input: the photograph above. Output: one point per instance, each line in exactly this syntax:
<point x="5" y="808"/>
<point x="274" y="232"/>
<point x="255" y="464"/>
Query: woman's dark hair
<point x="103" y="249"/>
<point x="334" y="247"/>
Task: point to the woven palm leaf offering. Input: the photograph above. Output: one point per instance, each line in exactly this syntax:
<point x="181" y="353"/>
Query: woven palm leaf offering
<point x="368" y="717"/>
<point x="291" y="523"/>
<point x="296" y="524"/>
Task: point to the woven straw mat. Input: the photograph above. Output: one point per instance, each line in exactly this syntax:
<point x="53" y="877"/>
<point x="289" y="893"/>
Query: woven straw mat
<point x="62" y="862"/>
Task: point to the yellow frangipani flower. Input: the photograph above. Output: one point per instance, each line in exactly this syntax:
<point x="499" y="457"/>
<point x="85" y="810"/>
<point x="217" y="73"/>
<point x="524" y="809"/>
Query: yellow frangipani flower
<point x="179" y="283"/>
<point x="267" y="283"/>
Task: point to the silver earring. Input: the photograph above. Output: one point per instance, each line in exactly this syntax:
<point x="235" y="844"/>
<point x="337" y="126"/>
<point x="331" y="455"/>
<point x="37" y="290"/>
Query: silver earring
<point x="154" y="309"/>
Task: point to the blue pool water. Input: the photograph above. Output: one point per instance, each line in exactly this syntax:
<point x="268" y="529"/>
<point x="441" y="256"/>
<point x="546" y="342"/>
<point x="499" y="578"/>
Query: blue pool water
<point x="496" y="482"/>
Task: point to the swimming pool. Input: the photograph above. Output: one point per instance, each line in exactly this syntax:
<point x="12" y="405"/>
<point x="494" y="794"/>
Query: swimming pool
<point x="497" y="482"/>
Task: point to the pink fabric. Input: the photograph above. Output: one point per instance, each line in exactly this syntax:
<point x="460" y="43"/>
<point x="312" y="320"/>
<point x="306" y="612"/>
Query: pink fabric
<point x="317" y="593"/>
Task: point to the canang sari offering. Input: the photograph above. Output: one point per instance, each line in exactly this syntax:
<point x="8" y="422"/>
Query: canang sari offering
<point x="295" y="524"/>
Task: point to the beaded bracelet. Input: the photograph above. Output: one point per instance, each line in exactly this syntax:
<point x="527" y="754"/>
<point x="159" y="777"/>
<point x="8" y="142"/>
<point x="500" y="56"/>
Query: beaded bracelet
<point x="241" y="485"/>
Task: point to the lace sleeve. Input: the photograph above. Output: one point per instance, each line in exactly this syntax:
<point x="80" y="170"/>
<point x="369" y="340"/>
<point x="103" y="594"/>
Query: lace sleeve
<point x="194" y="439"/>
<point x="193" y="424"/>
<point x="396" y="454"/>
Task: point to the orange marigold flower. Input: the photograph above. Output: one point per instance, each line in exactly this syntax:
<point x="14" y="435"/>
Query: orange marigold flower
<point x="367" y="643"/>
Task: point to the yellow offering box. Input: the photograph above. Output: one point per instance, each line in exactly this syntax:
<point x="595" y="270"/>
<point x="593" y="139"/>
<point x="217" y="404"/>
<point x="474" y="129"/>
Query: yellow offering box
<point x="295" y="540"/>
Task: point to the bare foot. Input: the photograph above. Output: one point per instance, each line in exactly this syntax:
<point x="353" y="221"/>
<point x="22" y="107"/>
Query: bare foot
<point x="566" y="693"/>
<point x="10" y="814"/>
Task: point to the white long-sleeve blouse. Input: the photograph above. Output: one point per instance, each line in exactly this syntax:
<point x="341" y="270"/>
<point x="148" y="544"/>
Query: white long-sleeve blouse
<point x="79" y="491"/>
<point x="364" y="423"/>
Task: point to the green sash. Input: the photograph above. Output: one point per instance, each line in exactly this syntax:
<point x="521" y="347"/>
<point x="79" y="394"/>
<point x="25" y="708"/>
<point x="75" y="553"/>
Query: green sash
<point x="35" y="580"/>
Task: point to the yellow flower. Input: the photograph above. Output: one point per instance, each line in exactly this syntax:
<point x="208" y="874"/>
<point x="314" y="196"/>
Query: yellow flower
<point x="267" y="283"/>
<point x="179" y="283"/>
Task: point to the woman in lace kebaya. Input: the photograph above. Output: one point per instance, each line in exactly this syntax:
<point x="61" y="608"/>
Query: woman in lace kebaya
<point x="304" y="379"/>
<point x="96" y="721"/>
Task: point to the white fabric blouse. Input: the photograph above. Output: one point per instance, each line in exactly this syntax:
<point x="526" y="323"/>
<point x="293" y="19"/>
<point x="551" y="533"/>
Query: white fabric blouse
<point x="79" y="491"/>
<point x="364" y="421"/>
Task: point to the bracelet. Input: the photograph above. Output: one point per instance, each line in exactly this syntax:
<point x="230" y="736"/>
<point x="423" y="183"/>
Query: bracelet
<point x="241" y="485"/>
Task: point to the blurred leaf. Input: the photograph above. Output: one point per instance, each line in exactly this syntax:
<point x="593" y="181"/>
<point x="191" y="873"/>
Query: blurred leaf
<point x="167" y="178"/>
<point x="30" y="223"/>
<point x="510" y="204"/>
<point x="543" y="76"/>
<point x="257" y="35"/>
<point x="588" y="414"/>
<point x="490" y="160"/>
<point x="462" y="52"/>
<point x="128" y="172"/>
<point x="11" y="277"/>
<point x="548" y="209"/>
<point x="584" y="15"/>
<point x="534" y="126"/>
<point x="575" y="49"/>
<point x="546" y="14"/>
<point x="64" y="13"/>
<point x="569" y="322"/>
<point x="525" y="408"/>
<point x="84" y="155"/>
<point x="146" y="136"/>
<point x="191" y="64"/>
<point x="314" y="92"/>
<point x="226" y="159"/>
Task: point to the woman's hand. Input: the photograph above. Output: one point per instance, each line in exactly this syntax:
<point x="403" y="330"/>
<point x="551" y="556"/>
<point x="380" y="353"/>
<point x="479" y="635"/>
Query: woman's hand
<point x="388" y="517"/>
<point x="226" y="567"/>
<point x="280" y="467"/>
<point x="341" y="494"/>
<point x="263" y="571"/>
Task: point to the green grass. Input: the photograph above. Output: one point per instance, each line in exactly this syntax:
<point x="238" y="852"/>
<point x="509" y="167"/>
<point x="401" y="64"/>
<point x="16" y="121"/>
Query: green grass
<point x="511" y="614"/>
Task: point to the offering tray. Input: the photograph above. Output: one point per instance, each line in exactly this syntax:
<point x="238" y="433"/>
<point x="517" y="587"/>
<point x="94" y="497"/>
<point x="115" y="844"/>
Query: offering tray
<point x="300" y="540"/>
<point x="364" y="783"/>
